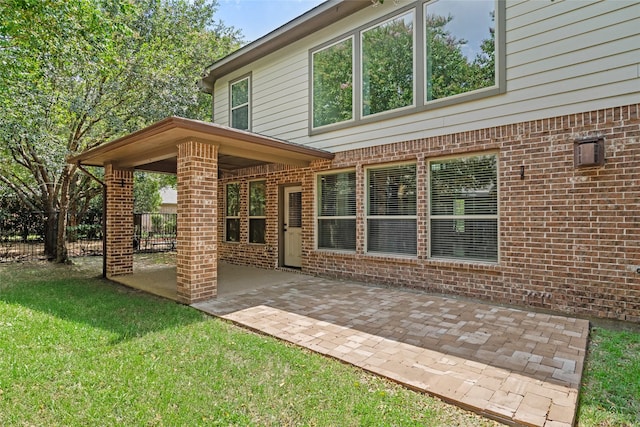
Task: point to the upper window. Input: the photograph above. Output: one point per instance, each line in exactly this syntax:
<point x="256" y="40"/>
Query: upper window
<point x="390" y="66"/>
<point x="333" y="83"/>
<point x="387" y="65"/>
<point x="257" y="211"/>
<point x="391" y="210"/>
<point x="459" y="47"/>
<point x="464" y="208"/>
<point x="240" y="97"/>
<point x="232" y="222"/>
<point x="337" y="211"/>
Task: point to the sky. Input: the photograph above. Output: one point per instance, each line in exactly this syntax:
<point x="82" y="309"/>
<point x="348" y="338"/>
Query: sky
<point x="256" y="18"/>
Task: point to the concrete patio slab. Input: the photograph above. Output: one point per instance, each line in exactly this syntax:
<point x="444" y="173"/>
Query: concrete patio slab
<point x="161" y="279"/>
<point x="514" y="366"/>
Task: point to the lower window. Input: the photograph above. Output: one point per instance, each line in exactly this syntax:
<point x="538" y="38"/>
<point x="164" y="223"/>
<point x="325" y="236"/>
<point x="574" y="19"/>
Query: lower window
<point x="337" y="211"/>
<point x="464" y="208"/>
<point x="391" y="210"/>
<point x="257" y="211"/>
<point x="232" y="220"/>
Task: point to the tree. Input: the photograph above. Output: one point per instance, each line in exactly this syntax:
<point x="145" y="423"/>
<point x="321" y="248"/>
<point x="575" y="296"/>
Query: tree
<point x="77" y="73"/>
<point x="449" y="72"/>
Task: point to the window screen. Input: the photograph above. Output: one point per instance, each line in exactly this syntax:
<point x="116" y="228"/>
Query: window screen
<point x="337" y="211"/>
<point x="391" y="210"/>
<point x="464" y="208"/>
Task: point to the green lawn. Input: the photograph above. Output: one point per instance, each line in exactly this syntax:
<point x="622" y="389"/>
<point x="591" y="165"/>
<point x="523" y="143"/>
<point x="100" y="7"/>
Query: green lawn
<point x="77" y="350"/>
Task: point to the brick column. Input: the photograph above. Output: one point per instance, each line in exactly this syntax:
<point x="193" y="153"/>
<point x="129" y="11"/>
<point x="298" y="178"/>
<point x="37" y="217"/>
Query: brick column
<point x="197" y="261"/>
<point x="119" y="255"/>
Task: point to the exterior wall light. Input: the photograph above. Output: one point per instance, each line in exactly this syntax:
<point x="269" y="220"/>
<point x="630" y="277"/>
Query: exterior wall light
<point x="588" y="152"/>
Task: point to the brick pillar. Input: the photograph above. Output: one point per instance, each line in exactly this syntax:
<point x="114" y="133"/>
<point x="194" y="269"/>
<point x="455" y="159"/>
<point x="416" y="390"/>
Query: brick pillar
<point x="197" y="261"/>
<point x="119" y="255"/>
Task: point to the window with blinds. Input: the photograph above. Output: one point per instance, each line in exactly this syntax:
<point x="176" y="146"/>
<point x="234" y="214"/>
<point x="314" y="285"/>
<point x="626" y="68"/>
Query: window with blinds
<point x="337" y="211"/>
<point x="391" y="210"/>
<point x="257" y="211"/>
<point x="464" y="208"/>
<point x="232" y="217"/>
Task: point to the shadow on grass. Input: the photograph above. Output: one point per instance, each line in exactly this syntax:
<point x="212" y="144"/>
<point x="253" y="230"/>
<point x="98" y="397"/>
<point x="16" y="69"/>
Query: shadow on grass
<point x="94" y="302"/>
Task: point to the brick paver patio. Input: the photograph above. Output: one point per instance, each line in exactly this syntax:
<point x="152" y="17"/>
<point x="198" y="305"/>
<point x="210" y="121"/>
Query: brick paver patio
<point x="514" y="366"/>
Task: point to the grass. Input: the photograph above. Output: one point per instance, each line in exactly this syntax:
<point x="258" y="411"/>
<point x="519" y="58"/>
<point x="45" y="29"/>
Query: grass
<point x="610" y="394"/>
<point x="76" y="350"/>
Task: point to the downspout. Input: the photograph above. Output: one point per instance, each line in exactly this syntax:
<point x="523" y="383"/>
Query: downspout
<point x="104" y="217"/>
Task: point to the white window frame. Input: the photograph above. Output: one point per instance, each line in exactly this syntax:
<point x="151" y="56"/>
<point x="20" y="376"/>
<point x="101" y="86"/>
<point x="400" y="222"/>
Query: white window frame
<point x="246" y="104"/>
<point x="318" y="217"/>
<point x="495" y="216"/>
<point x="367" y="216"/>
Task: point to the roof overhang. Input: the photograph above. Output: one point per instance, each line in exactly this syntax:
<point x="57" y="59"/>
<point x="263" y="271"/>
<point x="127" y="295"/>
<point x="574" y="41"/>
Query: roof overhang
<point x="155" y="148"/>
<point x="317" y="18"/>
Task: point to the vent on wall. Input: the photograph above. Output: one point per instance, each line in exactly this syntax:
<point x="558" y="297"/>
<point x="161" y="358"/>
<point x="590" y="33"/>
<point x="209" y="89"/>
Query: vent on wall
<point x="588" y="152"/>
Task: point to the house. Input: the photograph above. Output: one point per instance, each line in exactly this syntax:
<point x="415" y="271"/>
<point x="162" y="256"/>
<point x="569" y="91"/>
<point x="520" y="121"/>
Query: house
<point x="169" y="201"/>
<point x="487" y="149"/>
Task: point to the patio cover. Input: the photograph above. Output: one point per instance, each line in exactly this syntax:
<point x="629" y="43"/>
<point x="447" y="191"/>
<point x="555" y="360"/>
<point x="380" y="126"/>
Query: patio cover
<point x="154" y="148"/>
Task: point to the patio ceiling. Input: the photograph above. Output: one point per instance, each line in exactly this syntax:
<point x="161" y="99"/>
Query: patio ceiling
<point x="155" y="148"/>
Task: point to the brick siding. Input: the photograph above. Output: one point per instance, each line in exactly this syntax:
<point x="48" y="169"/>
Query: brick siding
<point x="197" y="269"/>
<point x="119" y="256"/>
<point x="569" y="239"/>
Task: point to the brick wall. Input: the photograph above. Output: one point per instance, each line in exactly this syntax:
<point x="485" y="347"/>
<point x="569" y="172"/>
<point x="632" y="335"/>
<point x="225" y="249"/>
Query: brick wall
<point x="277" y="177"/>
<point x="119" y="256"/>
<point x="197" y="269"/>
<point x="569" y="239"/>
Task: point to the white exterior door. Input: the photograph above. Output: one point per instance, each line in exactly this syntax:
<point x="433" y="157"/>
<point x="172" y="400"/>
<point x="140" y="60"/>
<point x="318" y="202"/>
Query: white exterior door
<point x="293" y="226"/>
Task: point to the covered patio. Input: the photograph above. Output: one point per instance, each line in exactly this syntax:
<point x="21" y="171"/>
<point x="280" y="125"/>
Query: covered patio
<point x="161" y="280"/>
<point x="197" y="152"/>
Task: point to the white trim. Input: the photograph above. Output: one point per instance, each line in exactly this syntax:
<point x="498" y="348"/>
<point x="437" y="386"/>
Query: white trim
<point x="366" y="215"/>
<point x="248" y="104"/>
<point x="317" y="217"/>
<point x="495" y="153"/>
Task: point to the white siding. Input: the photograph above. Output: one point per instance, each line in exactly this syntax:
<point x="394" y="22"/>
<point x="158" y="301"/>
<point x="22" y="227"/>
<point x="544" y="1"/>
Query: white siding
<point x="562" y="57"/>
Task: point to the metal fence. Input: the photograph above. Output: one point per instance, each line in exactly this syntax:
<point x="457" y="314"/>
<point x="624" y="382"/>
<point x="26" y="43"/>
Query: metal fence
<point x="22" y="236"/>
<point x="154" y="232"/>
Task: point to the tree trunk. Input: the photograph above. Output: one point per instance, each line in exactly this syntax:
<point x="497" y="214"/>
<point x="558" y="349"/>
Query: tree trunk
<point x="50" y="233"/>
<point x="61" y="240"/>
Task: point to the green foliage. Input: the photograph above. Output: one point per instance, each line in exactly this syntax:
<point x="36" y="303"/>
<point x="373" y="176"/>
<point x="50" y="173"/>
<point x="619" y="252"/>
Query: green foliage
<point x="77" y="73"/>
<point x="233" y="199"/>
<point x="388" y="63"/>
<point x="146" y="195"/>
<point x="449" y="71"/>
<point x="387" y="66"/>
<point x="257" y="198"/>
<point x="333" y="84"/>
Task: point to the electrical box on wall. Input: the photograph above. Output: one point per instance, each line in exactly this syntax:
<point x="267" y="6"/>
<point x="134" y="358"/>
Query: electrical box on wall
<point x="588" y="152"/>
